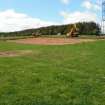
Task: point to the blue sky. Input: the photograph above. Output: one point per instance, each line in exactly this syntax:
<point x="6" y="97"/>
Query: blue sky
<point x="46" y="12"/>
<point x="43" y="9"/>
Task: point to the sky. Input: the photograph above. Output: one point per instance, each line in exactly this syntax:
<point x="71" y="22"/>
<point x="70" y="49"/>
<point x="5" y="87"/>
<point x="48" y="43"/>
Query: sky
<point x="16" y="15"/>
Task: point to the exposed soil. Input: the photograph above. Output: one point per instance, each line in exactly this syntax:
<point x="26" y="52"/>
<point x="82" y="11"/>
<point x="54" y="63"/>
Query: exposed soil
<point x="52" y="41"/>
<point x="14" y="53"/>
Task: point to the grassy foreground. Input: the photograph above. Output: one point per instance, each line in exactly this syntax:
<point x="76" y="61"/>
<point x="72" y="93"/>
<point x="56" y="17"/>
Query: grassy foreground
<point x="53" y="75"/>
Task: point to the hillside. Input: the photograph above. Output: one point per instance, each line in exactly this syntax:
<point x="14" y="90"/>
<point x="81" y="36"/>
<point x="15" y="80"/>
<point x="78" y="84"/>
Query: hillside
<point x="85" y="28"/>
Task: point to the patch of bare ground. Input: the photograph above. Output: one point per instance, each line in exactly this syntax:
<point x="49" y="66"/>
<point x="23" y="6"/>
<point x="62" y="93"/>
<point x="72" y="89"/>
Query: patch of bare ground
<point x="52" y="41"/>
<point x="14" y="53"/>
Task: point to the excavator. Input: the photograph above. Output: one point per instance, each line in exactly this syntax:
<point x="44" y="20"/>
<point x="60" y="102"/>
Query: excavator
<point x="74" y="31"/>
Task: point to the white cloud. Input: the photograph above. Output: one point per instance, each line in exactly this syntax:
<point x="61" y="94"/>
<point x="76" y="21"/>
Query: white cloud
<point x="13" y="21"/>
<point x="65" y="1"/>
<point x="97" y="7"/>
<point x="87" y="4"/>
<point x="78" y="17"/>
<point x="91" y="6"/>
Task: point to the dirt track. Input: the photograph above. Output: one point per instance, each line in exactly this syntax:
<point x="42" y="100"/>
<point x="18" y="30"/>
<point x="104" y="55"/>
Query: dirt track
<point x="52" y="41"/>
<point x="14" y="53"/>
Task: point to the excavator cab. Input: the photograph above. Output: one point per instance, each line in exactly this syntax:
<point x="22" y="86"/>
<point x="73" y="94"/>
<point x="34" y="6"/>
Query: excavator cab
<point x="74" y="32"/>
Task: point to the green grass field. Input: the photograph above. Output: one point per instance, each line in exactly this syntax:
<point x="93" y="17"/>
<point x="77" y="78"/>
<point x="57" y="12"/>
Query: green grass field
<point x="53" y="75"/>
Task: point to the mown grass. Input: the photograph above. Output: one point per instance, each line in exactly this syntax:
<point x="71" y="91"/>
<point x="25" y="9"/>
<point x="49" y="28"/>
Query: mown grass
<point x="53" y="75"/>
<point x="14" y="37"/>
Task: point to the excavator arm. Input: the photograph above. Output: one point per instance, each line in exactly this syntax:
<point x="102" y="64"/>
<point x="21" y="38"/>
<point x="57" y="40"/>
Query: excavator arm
<point x="74" y="31"/>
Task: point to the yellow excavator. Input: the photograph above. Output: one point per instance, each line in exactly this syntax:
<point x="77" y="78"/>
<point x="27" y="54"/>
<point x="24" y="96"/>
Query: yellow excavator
<point x="74" y="31"/>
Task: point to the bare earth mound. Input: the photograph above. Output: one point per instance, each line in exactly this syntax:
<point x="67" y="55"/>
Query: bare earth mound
<point x="52" y="41"/>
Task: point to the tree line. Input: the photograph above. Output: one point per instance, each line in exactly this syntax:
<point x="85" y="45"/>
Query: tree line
<point x="85" y="28"/>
